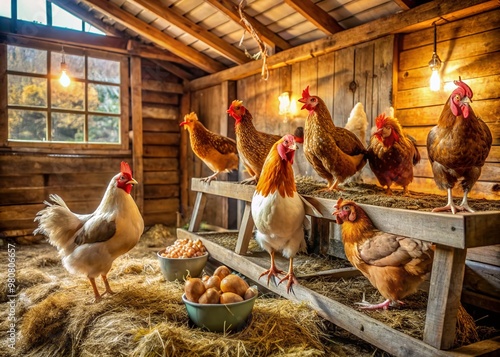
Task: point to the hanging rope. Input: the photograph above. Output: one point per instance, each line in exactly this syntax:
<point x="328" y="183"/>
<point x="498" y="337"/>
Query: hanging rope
<point x="255" y="35"/>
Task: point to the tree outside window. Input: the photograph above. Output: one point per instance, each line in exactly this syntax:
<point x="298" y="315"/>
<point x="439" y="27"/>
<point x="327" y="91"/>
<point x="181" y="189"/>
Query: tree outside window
<point x="40" y="109"/>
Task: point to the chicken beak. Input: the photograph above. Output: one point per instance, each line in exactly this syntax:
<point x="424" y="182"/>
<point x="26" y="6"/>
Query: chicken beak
<point x="182" y="124"/>
<point x="132" y="182"/>
<point x="293" y="147"/>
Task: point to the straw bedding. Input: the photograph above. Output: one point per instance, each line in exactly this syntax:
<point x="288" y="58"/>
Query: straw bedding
<point x="56" y="317"/>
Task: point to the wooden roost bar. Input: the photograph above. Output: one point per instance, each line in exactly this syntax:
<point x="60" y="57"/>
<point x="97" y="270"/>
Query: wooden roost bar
<point x="452" y="234"/>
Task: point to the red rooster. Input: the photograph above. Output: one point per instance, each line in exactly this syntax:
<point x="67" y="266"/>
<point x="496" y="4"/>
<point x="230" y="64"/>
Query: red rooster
<point x="253" y="146"/>
<point x="395" y="265"/>
<point x="334" y="152"/>
<point x="392" y="154"/>
<point x="218" y="152"/>
<point x="89" y="243"/>
<point x="277" y="209"/>
<point x="458" y="146"/>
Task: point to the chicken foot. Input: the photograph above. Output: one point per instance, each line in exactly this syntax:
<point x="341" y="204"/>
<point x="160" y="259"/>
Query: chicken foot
<point x="290" y="276"/>
<point x="97" y="295"/>
<point x="365" y="305"/>
<point x="272" y="271"/>
<point x="210" y="178"/>
<point x="450" y="206"/>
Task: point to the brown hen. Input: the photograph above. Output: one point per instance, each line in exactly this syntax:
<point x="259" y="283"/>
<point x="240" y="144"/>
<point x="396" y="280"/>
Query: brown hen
<point x="392" y="154"/>
<point x="253" y="146"/>
<point x="458" y="146"/>
<point x="395" y="265"/>
<point x="334" y="152"/>
<point x="218" y="152"/>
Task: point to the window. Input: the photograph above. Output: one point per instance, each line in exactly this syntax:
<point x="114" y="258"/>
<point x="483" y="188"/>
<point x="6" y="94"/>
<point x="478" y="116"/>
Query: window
<point x="89" y="111"/>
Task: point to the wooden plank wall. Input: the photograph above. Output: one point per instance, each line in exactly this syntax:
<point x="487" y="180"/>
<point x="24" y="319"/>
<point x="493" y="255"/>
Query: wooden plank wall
<point x="469" y="48"/>
<point x="161" y="93"/>
<point x="369" y="66"/>
<point x="28" y="179"/>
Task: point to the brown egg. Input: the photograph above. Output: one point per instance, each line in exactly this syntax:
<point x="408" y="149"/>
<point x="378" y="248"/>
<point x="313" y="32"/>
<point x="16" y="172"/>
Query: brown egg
<point x="211" y="296"/>
<point x="228" y="298"/>
<point x="194" y="288"/>
<point x="234" y="284"/>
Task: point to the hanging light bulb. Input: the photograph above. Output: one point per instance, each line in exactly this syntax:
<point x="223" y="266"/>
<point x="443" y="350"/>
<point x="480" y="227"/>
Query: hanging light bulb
<point x="435" y="65"/>
<point x="64" y="79"/>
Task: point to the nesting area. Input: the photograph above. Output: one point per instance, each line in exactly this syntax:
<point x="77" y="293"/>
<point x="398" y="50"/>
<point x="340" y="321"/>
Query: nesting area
<point x="375" y="195"/>
<point x="146" y="317"/>
<point x="56" y="316"/>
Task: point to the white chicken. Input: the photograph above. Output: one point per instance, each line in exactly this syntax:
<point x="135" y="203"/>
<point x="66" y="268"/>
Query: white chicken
<point x="89" y="243"/>
<point x="277" y="209"/>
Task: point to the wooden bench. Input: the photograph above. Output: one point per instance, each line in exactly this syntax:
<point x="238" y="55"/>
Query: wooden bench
<point x="453" y="234"/>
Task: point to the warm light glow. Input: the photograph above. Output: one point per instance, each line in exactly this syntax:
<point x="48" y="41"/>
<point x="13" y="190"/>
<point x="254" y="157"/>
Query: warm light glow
<point x="284" y="100"/>
<point x="64" y="79"/>
<point x="435" y="81"/>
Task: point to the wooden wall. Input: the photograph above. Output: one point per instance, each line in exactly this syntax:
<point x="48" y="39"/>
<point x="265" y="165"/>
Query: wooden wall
<point x="469" y="48"/>
<point x="161" y="94"/>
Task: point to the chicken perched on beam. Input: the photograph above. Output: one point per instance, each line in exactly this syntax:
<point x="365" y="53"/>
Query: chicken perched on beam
<point x="395" y="265"/>
<point x="458" y="146"/>
<point x="89" y="243"/>
<point x="218" y="152"/>
<point x="392" y="154"/>
<point x="278" y="210"/>
<point x="253" y="145"/>
<point x="334" y="152"/>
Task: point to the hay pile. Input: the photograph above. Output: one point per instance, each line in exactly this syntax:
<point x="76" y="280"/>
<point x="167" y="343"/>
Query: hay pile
<point x="56" y="317"/>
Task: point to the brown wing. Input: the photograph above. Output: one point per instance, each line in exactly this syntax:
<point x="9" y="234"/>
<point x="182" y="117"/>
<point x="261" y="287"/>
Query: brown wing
<point x="348" y="142"/>
<point x="223" y="144"/>
<point x="97" y="229"/>
<point x="385" y="249"/>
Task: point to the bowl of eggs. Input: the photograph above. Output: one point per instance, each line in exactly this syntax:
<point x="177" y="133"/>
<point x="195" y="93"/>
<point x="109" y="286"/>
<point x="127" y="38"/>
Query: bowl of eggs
<point x="222" y="302"/>
<point x="185" y="258"/>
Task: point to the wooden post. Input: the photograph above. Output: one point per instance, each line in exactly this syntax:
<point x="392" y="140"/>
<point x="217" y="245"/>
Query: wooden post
<point x="183" y="156"/>
<point x="137" y="142"/>
<point x="246" y="229"/>
<point x="444" y="296"/>
<point x="199" y="207"/>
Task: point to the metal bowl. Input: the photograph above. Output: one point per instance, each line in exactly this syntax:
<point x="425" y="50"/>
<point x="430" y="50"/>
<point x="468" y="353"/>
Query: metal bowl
<point x="219" y="317"/>
<point x="179" y="268"/>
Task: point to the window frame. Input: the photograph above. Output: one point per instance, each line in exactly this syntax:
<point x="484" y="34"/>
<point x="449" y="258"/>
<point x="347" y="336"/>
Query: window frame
<point x="73" y="147"/>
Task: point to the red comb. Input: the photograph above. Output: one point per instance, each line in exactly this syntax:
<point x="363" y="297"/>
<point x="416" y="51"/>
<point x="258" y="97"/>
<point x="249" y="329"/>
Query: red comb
<point x="305" y="93"/>
<point x="465" y="87"/>
<point x="380" y="121"/>
<point x="125" y="169"/>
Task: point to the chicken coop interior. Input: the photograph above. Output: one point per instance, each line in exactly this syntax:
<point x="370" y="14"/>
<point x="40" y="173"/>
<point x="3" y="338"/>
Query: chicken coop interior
<point x="194" y="109"/>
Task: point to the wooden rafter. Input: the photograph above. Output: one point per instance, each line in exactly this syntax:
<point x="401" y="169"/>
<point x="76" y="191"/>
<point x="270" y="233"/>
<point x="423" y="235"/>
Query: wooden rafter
<point x="411" y="20"/>
<point x="316" y="15"/>
<point x="153" y="34"/>
<point x="231" y="10"/>
<point x="226" y="49"/>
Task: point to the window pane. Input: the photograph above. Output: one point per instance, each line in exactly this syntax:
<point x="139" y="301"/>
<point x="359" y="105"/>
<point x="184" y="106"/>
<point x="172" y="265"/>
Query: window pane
<point x="27" y="125"/>
<point x="104" y="99"/>
<point x="92" y="29"/>
<point x="68" y="127"/>
<point x="75" y="65"/>
<point x="32" y="11"/>
<point x="5" y="9"/>
<point x="104" y="70"/>
<point x="27" y="91"/>
<point x="71" y="97"/>
<point x="29" y="60"/>
<point x="104" y="129"/>
<point x="62" y="18"/>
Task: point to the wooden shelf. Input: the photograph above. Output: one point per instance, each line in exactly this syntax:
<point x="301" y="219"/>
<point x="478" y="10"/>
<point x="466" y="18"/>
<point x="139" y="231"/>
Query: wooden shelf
<point x="453" y="234"/>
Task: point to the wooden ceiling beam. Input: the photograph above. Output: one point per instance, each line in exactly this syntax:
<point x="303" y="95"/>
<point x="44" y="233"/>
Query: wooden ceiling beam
<point x="231" y="10"/>
<point x="153" y="34"/>
<point x="175" y="70"/>
<point x="411" y="20"/>
<point x="313" y="13"/>
<point x="218" y="44"/>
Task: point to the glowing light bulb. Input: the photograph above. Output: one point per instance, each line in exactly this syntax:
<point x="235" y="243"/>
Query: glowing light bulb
<point x="64" y="79"/>
<point x="435" y="81"/>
